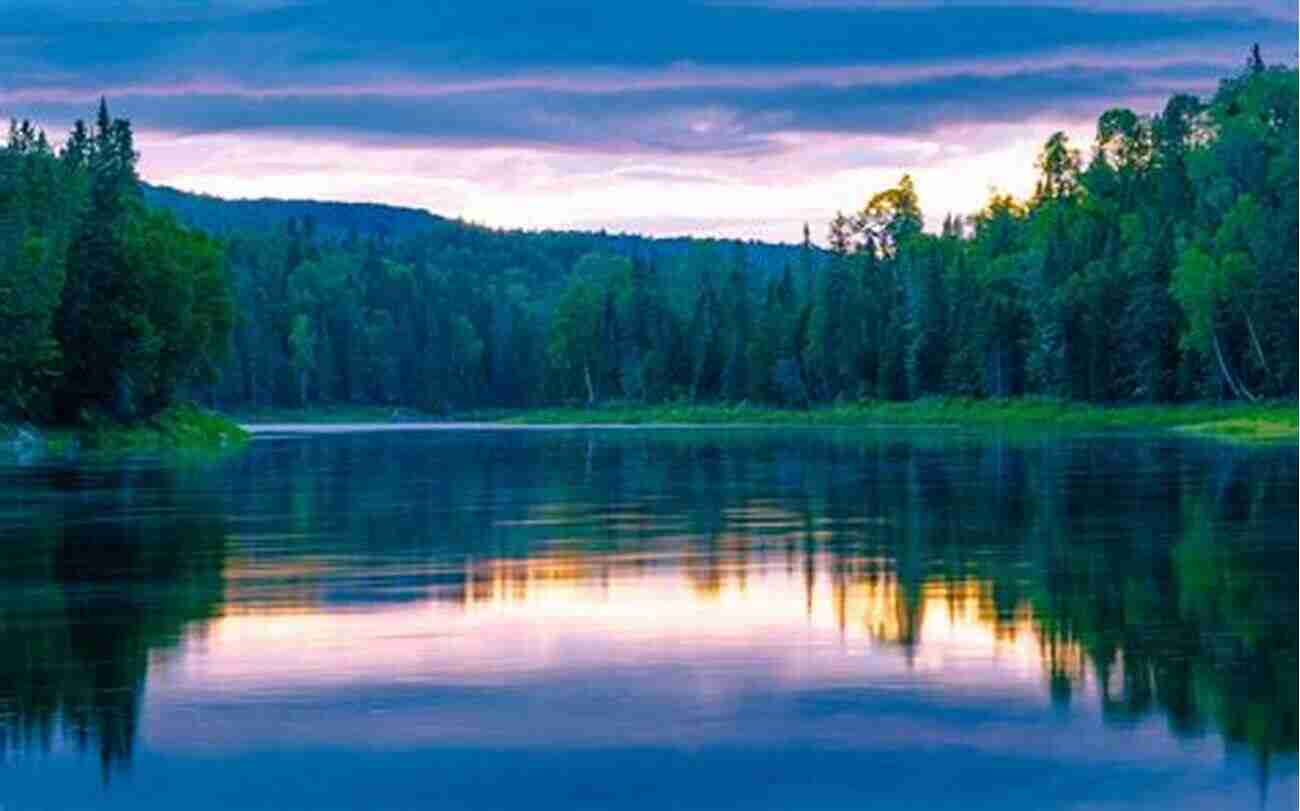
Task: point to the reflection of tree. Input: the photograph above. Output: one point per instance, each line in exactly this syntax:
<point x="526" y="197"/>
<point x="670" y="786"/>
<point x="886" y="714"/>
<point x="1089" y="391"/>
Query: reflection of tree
<point x="1191" y="609"/>
<point x="88" y="601"/>
<point x="1161" y="572"/>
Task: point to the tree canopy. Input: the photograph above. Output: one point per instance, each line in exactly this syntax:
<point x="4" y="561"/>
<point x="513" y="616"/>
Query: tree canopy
<point x="106" y="307"/>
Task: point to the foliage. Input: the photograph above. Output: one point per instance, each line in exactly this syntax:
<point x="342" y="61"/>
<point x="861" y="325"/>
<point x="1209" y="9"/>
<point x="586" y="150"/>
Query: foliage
<point x="105" y="307"/>
<point x="184" y="426"/>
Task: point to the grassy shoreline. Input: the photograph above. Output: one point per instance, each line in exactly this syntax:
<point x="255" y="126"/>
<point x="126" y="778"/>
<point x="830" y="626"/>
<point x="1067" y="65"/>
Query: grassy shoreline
<point x="182" y="427"/>
<point x="1245" y="422"/>
<point x="1252" y="422"/>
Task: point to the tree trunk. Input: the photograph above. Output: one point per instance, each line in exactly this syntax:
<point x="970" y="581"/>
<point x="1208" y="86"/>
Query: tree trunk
<point x="1254" y="342"/>
<point x="591" y="389"/>
<point x="1238" y="389"/>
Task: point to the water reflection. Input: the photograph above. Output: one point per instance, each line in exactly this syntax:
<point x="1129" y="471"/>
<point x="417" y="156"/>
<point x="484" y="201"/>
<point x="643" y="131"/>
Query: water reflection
<point x="498" y="590"/>
<point x="95" y="588"/>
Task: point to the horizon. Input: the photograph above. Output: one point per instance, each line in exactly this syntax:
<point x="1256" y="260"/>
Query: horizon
<point x="475" y="224"/>
<point x="763" y="116"/>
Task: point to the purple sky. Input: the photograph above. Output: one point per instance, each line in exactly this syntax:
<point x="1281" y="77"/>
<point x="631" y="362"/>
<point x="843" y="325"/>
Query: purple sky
<point x="726" y="117"/>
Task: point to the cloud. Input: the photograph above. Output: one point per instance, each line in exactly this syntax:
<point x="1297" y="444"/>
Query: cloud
<point x="675" y="93"/>
<point x="739" y="118"/>
<point x="272" y="43"/>
<point x="669" y="76"/>
<point x="1279" y="9"/>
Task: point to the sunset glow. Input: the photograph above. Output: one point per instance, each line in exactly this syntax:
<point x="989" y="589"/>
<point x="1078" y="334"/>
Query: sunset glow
<point x="542" y="116"/>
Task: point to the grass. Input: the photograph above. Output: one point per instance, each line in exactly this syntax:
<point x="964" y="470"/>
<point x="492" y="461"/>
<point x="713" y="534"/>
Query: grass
<point x="1247" y="429"/>
<point x="181" y="427"/>
<point x="185" y="427"/>
<point x="1271" y="421"/>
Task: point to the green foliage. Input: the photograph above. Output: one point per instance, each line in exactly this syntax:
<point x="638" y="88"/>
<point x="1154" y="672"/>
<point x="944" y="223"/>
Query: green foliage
<point x="29" y="355"/>
<point x="185" y="313"/>
<point x="574" y="347"/>
<point x="36" y="204"/>
<point x="183" y="426"/>
<point x="105" y="307"/>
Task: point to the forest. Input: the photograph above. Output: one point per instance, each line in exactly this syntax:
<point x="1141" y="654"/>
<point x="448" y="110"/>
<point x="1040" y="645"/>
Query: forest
<point x="1156" y="264"/>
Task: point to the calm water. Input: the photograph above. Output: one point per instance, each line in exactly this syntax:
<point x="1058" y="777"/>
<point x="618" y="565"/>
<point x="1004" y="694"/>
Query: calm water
<point x="657" y="618"/>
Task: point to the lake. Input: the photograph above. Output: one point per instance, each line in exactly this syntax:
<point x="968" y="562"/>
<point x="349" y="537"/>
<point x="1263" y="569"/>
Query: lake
<point x="655" y="618"/>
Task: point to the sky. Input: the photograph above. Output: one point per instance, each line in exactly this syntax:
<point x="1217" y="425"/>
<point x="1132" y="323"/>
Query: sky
<point x="737" y="118"/>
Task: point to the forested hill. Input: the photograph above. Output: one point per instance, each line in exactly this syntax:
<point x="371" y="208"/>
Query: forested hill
<point x="217" y="215"/>
<point x="336" y="220"/>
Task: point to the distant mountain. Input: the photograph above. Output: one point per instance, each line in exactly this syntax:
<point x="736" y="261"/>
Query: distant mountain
<point x="218" y="215"/>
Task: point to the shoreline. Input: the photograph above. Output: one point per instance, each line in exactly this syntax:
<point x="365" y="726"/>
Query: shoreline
<point x="179" y="428"/>
<point x="190" y="428"/>
<point x="1267" y="422"/>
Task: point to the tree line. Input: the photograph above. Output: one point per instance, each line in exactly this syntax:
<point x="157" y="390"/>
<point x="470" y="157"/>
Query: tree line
<point x="1161" y="269"/>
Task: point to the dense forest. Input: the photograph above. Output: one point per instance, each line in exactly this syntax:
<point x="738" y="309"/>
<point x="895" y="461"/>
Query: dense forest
<point x="1159" y="266"/>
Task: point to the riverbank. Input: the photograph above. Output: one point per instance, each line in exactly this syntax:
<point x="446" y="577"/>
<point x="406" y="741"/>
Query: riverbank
<point x="182" y="427"/>
<point x="1254" y="422"/>
<point x="1276" y="421"/>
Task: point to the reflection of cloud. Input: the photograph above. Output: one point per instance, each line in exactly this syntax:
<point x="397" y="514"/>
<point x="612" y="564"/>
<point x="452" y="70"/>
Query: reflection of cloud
<point x="571" y="611"/>
<point x="754" y="641"/>
<point x="736" y="592"/>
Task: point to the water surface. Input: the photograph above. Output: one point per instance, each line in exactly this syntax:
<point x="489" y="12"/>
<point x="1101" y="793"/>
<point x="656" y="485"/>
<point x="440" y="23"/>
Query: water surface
<point x="776" y="618"/>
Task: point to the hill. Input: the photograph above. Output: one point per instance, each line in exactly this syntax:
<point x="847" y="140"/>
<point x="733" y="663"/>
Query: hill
<point x="220" y="216"/>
